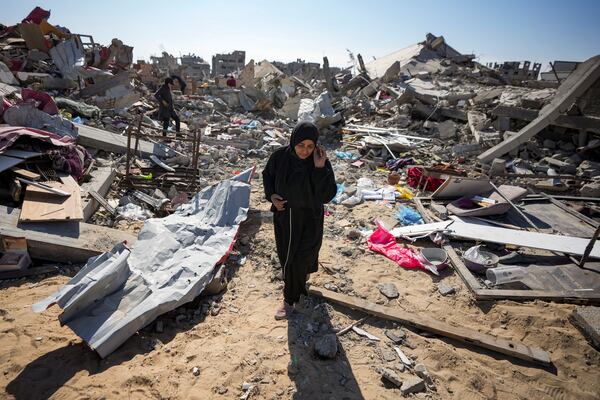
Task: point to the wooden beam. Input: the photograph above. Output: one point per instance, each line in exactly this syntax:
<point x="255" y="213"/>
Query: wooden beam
<point x="62" y="241"/>
<point x="503" y="346"/>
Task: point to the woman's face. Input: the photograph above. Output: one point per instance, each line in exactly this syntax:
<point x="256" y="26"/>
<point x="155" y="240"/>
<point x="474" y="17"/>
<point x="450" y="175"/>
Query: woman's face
<point x="304" y="149"/>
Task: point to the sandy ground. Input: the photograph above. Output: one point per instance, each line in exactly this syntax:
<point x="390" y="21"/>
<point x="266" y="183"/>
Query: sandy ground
<point x="239" y="341"/>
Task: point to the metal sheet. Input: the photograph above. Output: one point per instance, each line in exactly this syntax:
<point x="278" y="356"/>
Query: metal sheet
<point x="173" y="260"/>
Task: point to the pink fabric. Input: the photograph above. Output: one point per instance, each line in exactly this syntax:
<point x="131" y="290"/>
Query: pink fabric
<point x="46" y="101"/>
<point x="10" y="134"/>
<point x="383" y="242"/>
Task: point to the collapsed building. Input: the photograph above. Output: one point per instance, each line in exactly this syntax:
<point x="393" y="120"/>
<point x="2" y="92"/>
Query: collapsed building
<point x="459" y="153"/>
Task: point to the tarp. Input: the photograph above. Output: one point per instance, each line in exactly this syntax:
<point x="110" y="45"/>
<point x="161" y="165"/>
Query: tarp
<point x="119" y="292"/>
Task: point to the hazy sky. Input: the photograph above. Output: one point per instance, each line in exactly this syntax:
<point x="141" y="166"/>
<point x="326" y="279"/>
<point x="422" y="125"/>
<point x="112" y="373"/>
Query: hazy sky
<point x="505" y="30"/>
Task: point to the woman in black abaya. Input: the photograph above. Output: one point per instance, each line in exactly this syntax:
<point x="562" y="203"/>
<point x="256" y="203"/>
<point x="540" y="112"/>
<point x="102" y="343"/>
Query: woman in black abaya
<point x="298" y="180"/>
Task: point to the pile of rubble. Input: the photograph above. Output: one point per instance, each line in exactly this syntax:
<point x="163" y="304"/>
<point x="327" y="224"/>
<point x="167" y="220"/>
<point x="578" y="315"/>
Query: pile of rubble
<point x="422" y="126"/>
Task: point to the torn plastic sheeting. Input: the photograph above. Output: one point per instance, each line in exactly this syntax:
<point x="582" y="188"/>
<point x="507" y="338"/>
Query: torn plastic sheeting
<point x="408" y="216"/>
<point x="67" y="56"/>
<point x="105" y="310"/>
<point x="383" y="242"/>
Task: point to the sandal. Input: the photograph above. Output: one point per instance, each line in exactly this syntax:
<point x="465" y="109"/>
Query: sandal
<point x="284" y="311"/>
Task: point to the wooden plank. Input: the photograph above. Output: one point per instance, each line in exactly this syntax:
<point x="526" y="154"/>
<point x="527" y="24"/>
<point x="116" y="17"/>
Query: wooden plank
<point x="503" y="346"/>
<point x="574" y="86"/>
<point x="39" y="205"/>
<point x="26" y="174"/>
<point x="62" y="241"/>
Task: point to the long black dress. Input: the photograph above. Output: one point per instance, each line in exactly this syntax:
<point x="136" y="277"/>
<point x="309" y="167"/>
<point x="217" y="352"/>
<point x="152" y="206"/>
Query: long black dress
<point x="299" y="228"/>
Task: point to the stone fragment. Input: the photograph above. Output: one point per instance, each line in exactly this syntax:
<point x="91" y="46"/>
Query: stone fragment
<point x="327" y="346"/>
<point x="389" y="290"/>
<point x="591" y="189"/>
<point x="445" y="289"/>
<point x="412" y="385"/>
<point x="387" y="354"/>
<point x="397" y="336"/>
<point x="390" y="376"/>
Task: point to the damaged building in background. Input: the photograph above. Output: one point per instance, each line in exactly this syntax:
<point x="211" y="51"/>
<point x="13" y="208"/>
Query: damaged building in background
<point x="457" y="165"/>
<point x="225" y="64"/>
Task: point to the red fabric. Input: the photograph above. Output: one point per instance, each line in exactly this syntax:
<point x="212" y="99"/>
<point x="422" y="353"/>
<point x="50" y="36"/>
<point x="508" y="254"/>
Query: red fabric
<point x="231" y="82"/>
<point x="37" y="15"/>
<point x="383" y="242"/>
<point x="47" y="103"/>
<point x="15" y="64"/>
<point x="429" y="183"/>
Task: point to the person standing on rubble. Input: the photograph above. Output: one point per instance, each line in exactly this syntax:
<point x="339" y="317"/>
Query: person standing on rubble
<point x="166" y="110"/>
<point x="298" y="180"/>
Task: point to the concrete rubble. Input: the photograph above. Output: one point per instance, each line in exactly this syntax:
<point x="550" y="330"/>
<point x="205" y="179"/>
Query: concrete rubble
<point x="425" y="127"/>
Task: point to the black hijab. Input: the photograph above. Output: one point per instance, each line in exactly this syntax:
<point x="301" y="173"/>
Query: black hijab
<point x="293" y="178"/>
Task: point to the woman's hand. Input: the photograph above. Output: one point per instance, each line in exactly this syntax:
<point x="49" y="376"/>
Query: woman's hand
<point x="320" y="156"/>
<point x="278" y="202"/>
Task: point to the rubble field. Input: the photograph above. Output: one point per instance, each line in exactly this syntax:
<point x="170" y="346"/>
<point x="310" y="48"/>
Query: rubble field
<point x="460" y="257"/>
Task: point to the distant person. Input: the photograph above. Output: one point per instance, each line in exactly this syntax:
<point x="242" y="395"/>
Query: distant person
<point x="231" y="82"/>
<point x="166" y="110"/>
<point x="298" y="180"/>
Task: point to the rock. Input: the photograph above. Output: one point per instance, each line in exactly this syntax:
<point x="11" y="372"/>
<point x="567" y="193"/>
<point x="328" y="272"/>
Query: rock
<point x="412" y="385"/>
<point x="353" y="234"/>
<point x="439" y="209"/>
<point x="549" y="144"/>
<point x="332" y="287"/>
<point x="159" y="328"/>
<point x="447" y="129"/>
<point x="196" y="371"/>
<point x="244" y="240"/>
<point x="423" y="373"/>
<point x="567" y="147"/>
<point x="445" y="290"/>
<point x="347" y="251"/>
<point x="390" y="376"/>
<point x="498" y="167"/>
<point x="591" y="189"/>
<point x="466" y="150"/>
<point x="387" y="354"/>
<point x="396" y="336"/>
<point x="327" y="346"/>
<point x="389" y="290"/>
<point x="246" y="386"/>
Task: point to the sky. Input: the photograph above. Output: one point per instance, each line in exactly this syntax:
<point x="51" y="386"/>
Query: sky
<point x="506" y="30"/>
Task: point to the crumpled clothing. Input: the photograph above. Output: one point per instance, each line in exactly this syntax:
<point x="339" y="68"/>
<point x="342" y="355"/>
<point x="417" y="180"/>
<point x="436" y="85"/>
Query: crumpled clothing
<point x="64" y="153"/>
<point x="398" y="163"/>
<point x="429" y="183"/>
<point x="46" y="102"/>
<point x="383" y="242"/>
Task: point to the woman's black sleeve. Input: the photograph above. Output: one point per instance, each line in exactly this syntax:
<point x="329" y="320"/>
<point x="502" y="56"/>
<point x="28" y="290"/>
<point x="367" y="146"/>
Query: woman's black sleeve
<point x="268" y="176"/>
<point x="324" y="183"/>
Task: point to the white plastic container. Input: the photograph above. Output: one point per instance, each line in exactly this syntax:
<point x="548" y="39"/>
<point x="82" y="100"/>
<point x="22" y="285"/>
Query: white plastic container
<point x="500" y="275"/>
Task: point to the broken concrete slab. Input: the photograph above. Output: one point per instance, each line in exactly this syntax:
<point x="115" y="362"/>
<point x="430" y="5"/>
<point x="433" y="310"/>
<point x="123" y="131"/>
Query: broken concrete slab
<point x="573" y="87"/>
<point x="109" y="141"/>
<point x="587" y="319"/>
<point x="100" y="183"/>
